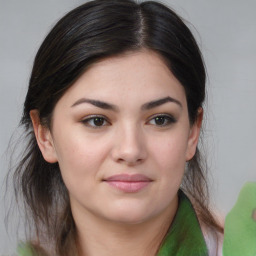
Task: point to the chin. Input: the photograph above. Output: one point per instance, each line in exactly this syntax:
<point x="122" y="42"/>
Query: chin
<point x="130" y="219"/>
<point x="130" y="215"/>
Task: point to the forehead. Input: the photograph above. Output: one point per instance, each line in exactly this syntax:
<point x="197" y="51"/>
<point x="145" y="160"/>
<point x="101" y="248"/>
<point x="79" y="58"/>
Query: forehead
<point x="141" y="75"/>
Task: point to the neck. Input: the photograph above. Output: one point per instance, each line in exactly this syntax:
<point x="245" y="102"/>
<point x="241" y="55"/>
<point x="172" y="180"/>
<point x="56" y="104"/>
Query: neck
<point x="102" y="237"/>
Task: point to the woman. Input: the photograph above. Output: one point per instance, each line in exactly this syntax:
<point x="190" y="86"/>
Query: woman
<point x="113" y="113"/>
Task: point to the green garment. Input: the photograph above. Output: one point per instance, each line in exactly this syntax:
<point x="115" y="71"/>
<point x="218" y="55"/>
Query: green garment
<point x="184" y="237"/>
<point x="25" y="250"/>
<point x="240" y="224"/>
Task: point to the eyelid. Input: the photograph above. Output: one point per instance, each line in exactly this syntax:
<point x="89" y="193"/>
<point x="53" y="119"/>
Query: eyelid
<point x="171" y="118"/>
<point x="88" y="118"/>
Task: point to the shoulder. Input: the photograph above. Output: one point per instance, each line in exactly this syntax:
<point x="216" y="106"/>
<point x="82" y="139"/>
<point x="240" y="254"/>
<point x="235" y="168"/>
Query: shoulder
<point x="213" y="239"/>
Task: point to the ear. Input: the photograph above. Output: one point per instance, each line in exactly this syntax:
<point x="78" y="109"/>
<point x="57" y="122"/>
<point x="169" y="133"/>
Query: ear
<point x="194" y="135"/>
<point x="44" y="138"/>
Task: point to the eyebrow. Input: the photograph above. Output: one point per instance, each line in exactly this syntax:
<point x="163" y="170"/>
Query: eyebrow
<point x="159" y="102"/>
<point x="146" y="106"/>
<point x="97" y="103"/>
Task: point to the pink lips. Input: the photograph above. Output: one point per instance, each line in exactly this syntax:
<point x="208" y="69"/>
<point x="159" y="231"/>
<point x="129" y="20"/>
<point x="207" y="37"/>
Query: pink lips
<point x="128" y="183"/>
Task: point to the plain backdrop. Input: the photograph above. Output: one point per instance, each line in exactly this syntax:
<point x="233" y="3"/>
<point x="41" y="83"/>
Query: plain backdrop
<point x="226" y="32"/>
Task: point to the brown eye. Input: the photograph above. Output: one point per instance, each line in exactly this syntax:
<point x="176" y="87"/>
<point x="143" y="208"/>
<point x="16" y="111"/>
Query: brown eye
<point x="95" y="121"/>
<point x="162" y="120"/>
<point x="98" y="121"/>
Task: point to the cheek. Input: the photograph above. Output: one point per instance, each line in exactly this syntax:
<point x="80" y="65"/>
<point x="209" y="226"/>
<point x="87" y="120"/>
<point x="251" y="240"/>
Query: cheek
<point x="170" y="159"/>
<point x="170" y="152"/>
<point x="79" y="158"/>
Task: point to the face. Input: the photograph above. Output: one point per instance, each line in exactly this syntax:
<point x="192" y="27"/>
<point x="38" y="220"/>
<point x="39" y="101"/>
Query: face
<point x="121" y="135"/>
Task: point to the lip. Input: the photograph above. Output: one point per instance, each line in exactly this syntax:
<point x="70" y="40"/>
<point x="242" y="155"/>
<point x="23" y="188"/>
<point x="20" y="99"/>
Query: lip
<point x="128" y="183"/>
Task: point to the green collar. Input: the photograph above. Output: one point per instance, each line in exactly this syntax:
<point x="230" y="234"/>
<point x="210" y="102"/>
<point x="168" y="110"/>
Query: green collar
<point x="184" y="237"/>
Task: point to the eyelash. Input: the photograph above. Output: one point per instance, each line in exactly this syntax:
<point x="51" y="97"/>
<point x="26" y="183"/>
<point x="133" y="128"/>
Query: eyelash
<point x="168" y="120"/>
<point x="94" y="118"/>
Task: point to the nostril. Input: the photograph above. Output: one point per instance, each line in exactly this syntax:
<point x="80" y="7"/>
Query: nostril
<point x="129" y="150"/>
<point x="130" y="162"/>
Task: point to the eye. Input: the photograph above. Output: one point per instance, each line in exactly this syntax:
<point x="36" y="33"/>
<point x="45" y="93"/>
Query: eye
<point x="95" y="121"/>
<point x="162" y="120"/>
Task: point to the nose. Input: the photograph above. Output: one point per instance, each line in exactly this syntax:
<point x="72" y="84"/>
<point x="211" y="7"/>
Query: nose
<point x="130" y="145"/>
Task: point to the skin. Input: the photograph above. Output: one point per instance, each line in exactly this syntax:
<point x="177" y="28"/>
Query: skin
<point x="128" y="139"/>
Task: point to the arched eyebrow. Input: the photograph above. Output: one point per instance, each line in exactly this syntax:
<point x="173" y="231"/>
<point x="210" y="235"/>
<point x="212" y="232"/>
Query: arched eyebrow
<point x="159" y="102"/>
<point x="96" y="103"/>
<point x="146" y="106"/>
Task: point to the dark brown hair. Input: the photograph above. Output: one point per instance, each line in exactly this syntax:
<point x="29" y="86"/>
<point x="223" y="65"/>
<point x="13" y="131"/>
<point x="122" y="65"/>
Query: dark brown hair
<point x="93" y="31"/>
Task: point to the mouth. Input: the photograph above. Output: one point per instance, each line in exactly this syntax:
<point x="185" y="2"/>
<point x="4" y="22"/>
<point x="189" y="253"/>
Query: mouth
<point x="128" y="183"/>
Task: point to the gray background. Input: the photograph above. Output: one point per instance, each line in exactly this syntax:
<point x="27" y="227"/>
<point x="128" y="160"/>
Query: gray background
<point x="226" y="31"/>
